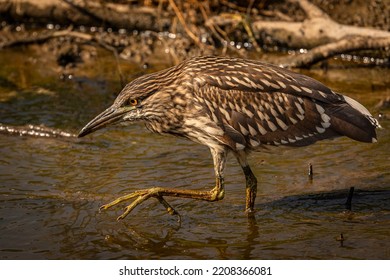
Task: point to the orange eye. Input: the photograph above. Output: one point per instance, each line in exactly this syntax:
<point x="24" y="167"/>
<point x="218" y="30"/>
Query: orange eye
<point x="133" y="102"/>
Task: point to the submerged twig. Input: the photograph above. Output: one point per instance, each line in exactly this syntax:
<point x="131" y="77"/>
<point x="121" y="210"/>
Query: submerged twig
<point x="341" y="239"/>
<point x="310" y="173"/>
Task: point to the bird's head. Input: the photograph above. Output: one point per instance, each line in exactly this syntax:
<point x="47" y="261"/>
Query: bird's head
<point x="134" y="102"/>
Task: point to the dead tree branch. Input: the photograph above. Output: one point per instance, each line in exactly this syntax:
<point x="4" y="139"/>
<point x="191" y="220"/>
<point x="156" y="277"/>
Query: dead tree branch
<point x="179" y="15"/>
<point x="78" y="12"/>
<point x="345" y="45"/>
<point x="316" y="30"/>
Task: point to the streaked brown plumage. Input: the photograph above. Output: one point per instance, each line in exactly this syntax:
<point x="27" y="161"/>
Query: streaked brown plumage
<point x="233" y="105"/>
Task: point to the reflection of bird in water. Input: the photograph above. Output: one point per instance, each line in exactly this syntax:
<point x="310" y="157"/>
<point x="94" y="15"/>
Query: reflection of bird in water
<point x="233" y="105"/>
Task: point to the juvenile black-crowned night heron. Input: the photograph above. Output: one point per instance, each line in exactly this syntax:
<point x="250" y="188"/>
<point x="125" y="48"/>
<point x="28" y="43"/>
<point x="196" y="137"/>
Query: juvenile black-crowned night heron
<point x="233" y="105"/>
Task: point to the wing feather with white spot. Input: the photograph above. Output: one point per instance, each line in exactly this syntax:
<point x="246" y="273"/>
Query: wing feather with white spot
<point x="253" y="119"/>
<point x="281" y="106"/>
<point x="255" y="76"/>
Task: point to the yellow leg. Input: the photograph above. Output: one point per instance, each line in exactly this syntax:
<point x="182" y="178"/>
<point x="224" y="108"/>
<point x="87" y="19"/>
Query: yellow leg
<point x="217" y="193"/>
<point x="251" y="189"/>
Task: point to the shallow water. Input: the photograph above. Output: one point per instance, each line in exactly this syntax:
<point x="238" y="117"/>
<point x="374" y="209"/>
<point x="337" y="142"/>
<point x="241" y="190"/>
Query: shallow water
<point x="51" y="188"/>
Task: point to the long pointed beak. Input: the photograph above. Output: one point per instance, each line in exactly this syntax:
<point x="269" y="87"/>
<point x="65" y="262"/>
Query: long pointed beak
<point x="109" y="116"/>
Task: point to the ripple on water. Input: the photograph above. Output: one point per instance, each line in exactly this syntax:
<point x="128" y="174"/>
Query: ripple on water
<point x="51" y="189"/>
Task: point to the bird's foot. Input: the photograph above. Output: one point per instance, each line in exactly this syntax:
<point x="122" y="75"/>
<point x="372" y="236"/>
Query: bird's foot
<point x="217" y="193"/>
<point x="140" y="196"/>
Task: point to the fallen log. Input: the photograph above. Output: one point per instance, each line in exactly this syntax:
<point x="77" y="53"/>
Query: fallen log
<point x="77" y="12"/>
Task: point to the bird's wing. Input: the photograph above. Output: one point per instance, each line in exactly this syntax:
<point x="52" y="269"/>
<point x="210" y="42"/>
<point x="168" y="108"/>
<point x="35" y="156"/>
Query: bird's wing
<point x="252" y="119"/>
<point x="263" y="104"/>
<point x="255" y="76"/>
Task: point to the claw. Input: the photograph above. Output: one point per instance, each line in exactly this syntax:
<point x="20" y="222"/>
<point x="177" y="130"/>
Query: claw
<point x="121" y="217"/>
<point x="103" y="207"/>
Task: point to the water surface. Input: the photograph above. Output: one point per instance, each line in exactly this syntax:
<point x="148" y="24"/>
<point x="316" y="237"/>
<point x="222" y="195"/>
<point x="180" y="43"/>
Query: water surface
<point x="51" y="188"/>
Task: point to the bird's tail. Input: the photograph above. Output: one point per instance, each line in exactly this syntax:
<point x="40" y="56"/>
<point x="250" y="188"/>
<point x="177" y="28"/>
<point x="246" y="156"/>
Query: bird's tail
<point x="353" y="120"/>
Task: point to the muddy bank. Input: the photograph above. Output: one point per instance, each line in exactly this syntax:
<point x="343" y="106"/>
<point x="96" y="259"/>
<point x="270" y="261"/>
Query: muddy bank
<point x="72" y="32"/>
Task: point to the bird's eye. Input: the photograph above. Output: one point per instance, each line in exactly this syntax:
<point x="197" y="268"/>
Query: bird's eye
<point x="133" y="102"/>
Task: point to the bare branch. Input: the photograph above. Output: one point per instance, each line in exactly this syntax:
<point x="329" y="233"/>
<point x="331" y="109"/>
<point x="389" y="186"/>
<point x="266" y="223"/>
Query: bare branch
<point x="345" y="45"/>
<point x="184" y="24"/>
<point x="311" y="10"/>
